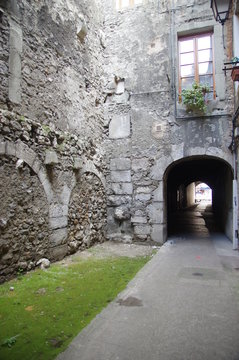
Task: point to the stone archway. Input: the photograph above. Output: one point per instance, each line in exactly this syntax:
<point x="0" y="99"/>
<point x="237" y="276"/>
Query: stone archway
<point x="24" y="230"/>
<point x="22" y="151"/>
<point x="214" y="171"/>
<point x="26" y="194"/>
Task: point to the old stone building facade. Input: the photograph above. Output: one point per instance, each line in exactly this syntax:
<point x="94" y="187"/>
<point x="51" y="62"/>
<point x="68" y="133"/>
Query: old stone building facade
<point x="156" y="150"/>
<point x="94" y="141"/>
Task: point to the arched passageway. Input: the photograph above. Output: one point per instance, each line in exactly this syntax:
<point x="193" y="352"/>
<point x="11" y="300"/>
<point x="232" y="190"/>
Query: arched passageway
<point x="184" y="214"/>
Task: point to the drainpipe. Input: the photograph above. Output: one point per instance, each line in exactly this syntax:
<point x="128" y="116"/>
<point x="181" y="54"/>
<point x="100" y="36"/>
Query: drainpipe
<point x="172" y="55"/>
<point x="235" y="191"/>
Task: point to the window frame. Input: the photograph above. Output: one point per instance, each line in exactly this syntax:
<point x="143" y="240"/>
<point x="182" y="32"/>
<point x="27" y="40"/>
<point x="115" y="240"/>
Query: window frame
<point x="195" y="37"/>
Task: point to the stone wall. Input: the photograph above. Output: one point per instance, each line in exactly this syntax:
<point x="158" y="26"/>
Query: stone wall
<point x="55" y="57"/>
<point x="57" y="161"/>
<point x="4" y="56"/>
<point x="51" y="123"/>
<point x="87" y="213"/>
<point x="24" y="231"/>
<point x="147" y="128"/>
<point x="89" y="104"/>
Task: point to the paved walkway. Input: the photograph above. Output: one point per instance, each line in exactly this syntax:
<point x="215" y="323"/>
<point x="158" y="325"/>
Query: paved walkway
<point x="183" y="305"/>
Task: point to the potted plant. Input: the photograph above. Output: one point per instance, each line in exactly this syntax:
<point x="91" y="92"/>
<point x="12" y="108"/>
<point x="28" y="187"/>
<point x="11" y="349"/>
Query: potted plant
<point x="195" y="98"/>
<point x="235" y="69"/>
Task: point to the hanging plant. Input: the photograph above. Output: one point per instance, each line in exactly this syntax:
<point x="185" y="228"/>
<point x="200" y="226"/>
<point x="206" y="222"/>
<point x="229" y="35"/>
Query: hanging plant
<point x="235" y="69"/>
<point x="195" y="98"/>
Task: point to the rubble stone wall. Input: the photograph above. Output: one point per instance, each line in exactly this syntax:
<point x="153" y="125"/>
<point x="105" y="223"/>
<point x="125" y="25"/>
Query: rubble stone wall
<point x="24" y="231"/>
<point x="51" y="124"/>
<point x="58" y="162"/>
<point x="54" y="51"/>
<point x="87" y="213"/>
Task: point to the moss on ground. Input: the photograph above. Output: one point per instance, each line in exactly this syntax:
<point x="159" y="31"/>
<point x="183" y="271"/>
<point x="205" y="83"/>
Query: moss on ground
<point x="46" y="309"/>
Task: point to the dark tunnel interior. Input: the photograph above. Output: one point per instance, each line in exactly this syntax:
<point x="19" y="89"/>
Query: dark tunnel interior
<point x="181" y="176"/>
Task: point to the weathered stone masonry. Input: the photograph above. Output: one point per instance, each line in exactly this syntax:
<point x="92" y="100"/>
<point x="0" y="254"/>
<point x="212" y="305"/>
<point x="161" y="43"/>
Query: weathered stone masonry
<point x="51" y="131"/>
<point x="89" y="106"/>
<point x="149" y="130"/>
<point x="59" y="178"/>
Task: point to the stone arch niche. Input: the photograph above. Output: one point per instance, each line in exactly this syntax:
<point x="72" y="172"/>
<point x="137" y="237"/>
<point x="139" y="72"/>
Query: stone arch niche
<point x="25" y="193"/>
<point x="24" y="233"/>
<point x="212" y="170"/>
<point x="87" y="211"/>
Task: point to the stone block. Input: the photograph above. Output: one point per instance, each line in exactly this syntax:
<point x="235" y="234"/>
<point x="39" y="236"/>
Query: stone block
<point x="142" y="229"/>
<point x="158" y="193"/>
<point x="2" y="148"/>
<point x="119" y="127"/>
<point x="122" y="188"/>
<point x="120" y="164"/>
<point x="120" y="87"/>
<point x="58" y="222"/>
<point x="143" y="190"/>
<point x="58" y="210"/>
<point x="140" y="164"/>
<point x="65" y="195"/>
<point x="50" y="158"/>
<point x="15" y="45"/>
<point x="58" y="237"/>
<point x="122" y="213"/>
<point x="15" y="40"/>
<point x="46" y="184"/>
<point x="158" y="233"/>
<point x="58" y="252"/>
<point x="115" y="200"/>
<point x="139" y="219"/>
<point x="14" y="89"/>
<point x="160" y="166"/>
<point x="36" y="165"/>
<point x="177" y="151"/>
<point x="10" y="148"/>
<point x="143" y="197"/>
<point x="25" y="153"/>
<point x="155" y="213"/>
<point x="121" y="176"/>
<point x="15" y="64"/>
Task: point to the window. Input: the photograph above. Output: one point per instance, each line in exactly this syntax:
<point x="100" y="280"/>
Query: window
<point x="196" y="62"/>
<point x="122" y="4"/>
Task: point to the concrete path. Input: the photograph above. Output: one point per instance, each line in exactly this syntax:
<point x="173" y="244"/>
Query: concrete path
<point x="183" y="305"/>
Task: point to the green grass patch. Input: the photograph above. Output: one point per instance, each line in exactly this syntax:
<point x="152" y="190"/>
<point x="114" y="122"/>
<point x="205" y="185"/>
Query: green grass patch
<point x="46" y="309"/>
